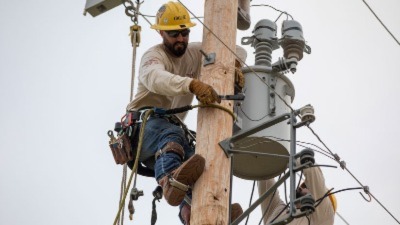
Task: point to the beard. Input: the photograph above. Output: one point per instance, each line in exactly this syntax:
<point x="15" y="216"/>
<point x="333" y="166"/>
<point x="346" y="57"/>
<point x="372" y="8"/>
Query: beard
<point x="177" y="49"/>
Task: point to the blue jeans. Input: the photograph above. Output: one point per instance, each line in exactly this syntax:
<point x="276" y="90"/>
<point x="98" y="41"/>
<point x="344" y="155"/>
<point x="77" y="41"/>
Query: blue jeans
<point x="157" y="133"/>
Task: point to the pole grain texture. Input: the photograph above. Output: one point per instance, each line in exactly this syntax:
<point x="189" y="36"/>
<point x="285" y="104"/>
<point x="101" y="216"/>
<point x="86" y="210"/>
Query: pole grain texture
<point x="210" y="204"/>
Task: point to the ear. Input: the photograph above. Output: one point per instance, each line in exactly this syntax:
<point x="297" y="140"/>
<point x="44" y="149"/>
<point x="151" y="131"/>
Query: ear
<point x="162" y="33"/>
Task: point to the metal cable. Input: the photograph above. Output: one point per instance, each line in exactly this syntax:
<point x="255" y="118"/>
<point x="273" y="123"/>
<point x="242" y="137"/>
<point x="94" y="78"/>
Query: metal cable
<point x="380" y="21"/>
<point x="354" y="177"/>
<point x="341" y="217"/>
<point x="282" y="12"/>
<point x="251" y="199"/>
<point x="145" y="18"/>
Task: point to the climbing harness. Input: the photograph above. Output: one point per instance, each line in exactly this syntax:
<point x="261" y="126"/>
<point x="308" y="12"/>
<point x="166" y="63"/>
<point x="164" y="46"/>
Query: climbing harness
<point x="126" y="129"/>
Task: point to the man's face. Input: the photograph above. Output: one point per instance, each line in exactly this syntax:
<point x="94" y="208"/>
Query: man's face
<point x="176" y="41"/>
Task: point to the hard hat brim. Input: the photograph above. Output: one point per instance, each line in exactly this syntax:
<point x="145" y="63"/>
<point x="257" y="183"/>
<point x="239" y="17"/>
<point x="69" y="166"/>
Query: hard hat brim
<point x="173" y="27"/>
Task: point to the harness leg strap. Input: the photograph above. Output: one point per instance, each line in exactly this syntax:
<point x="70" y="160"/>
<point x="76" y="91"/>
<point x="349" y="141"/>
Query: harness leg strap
<point x="171" y="147"/>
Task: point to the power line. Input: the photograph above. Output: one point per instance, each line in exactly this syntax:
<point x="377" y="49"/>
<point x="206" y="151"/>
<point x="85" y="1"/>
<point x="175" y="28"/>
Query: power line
<point x="381" y="22"/>
<point x="345" y="168"/>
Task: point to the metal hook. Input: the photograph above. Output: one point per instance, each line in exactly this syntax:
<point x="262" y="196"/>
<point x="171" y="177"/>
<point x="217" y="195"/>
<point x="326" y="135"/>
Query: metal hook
<point x="366" y="190"/>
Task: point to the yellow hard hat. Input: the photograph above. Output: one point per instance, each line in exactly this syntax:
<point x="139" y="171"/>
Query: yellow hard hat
<point x="333" y="201"/>
<point x="172" y="16"/>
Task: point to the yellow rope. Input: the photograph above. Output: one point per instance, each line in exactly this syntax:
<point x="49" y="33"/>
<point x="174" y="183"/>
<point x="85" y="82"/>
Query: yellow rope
<point x="218" y="107"/>
<point x="135" y="166"/>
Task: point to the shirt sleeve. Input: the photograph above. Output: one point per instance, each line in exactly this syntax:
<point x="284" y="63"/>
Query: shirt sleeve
<point x="315" y="182"/>
<point x="272" y="205"/>
<point x="154" y="76"/>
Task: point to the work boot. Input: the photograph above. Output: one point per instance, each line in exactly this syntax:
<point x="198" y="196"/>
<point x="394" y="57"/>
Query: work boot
<point x="187" y="174"/>
<point x="236" y="211"/>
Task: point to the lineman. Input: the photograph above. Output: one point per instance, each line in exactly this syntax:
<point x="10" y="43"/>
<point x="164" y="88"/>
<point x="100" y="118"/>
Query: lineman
<point x="168" y="78"/>
<point x="314" y="184"/>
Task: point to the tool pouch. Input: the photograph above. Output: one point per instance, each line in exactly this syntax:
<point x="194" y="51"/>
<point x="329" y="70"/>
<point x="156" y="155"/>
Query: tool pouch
<point x="121" y="149"/>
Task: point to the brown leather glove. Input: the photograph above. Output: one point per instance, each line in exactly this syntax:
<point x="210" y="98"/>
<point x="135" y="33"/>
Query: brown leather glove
<point x="204" y="92"/>
<point x="239" y="77"/>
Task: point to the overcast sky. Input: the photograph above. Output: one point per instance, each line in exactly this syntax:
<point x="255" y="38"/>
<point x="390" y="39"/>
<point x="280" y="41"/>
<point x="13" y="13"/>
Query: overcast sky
<point x="65" y="79"/>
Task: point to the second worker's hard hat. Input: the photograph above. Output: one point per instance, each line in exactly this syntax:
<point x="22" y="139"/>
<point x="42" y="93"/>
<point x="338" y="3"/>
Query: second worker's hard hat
<point x="332" y="197"/>
<point x="172" y="16"/>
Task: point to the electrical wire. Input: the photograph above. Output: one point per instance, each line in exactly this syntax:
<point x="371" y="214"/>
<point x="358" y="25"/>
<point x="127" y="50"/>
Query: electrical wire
<point x="321" y="151"/>
<point x="251" y="199"/>
<point x="254" y="120"/>
<point x="341" y="217"/>
<point x="308" y="218"/>
<point x="345" y="168"/>
<point x="380" y="21"/>
<point x="282" y="12"/>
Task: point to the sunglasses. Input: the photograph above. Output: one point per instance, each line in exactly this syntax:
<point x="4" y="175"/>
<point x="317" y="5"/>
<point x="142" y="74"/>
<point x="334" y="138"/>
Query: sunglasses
<point x="175" y="33"/>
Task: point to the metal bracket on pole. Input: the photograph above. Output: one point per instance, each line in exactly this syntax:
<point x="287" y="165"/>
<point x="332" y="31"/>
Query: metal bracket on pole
<point x="228" y="144"/>
<point x="208" y="58"/>
<point x="306" y="160"/>
<point x="261" y="199"/>
<point x="272" y="100"/>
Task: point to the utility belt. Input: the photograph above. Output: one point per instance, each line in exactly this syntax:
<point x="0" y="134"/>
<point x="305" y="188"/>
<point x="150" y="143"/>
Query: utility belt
<point x="123" y="145"/>
<point x="133" y="117"/>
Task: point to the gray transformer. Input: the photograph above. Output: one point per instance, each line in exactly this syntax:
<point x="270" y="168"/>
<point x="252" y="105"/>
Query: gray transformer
<point x="264" y="155"/>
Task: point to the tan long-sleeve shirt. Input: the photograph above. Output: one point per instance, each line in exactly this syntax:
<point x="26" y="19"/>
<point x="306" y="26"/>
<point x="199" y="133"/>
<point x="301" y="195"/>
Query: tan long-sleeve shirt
<point x="164" y="79"/>
<point x="324" y="213"/>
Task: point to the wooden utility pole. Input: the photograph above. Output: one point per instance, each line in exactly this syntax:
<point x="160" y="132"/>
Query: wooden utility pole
<point x="210" y="202"/>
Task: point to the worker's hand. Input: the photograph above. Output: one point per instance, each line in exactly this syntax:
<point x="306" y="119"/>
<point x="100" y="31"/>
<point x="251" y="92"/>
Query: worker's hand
<point x="204" y="92"/>
<point x="239" y="77"/>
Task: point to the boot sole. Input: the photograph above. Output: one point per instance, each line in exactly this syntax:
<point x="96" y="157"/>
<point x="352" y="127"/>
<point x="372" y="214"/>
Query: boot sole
<point x="188" y="173"/>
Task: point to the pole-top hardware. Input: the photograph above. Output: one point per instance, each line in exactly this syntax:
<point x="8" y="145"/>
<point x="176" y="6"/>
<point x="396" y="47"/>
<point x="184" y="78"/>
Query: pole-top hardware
<point x="135" y="35"/>
<point x="238" y="97"/>
<point x="307" y="114"/>
<point x="208" y="59"/>
<point x="135" y="193"/>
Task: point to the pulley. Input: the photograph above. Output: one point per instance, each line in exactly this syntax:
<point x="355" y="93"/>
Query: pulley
<point x="135" y="35"/>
